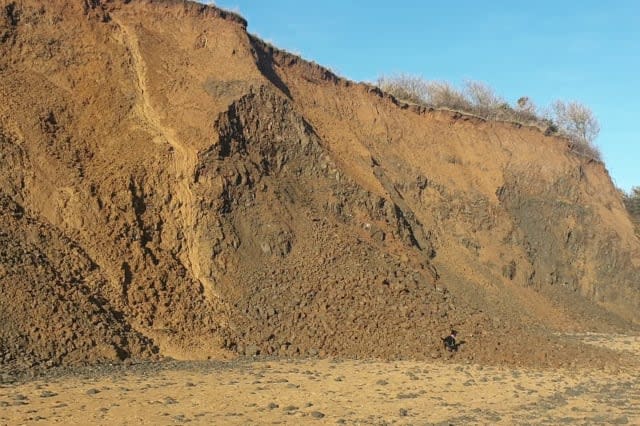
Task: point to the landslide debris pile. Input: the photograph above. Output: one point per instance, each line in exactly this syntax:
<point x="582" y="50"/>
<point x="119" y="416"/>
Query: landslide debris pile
<point x="172" y="186"/>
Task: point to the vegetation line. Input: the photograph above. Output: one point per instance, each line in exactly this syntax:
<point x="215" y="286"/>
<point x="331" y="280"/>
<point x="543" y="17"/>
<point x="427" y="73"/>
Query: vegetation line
<point x="570" y="119"/>
<point x="632" y="203"/>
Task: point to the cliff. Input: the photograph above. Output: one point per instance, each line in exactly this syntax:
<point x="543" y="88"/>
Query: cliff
<point x="172" y="186"/>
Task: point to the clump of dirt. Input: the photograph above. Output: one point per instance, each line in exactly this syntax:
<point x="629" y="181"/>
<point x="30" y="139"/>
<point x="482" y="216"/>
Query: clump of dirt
<point x="172" y="186"/>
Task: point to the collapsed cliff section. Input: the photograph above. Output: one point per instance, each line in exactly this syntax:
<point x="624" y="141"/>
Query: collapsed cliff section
<point x="313" y="262"/>
<point x="517" y="219"/>
<point x="213" y="197"/>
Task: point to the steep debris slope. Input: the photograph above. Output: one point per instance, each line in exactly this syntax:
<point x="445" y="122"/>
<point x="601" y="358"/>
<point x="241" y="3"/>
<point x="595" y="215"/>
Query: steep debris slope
<point x="173" y="187"/>
<point x="59" y="287"/>
<point x="310" y="271"/>
<point x="514" y="216"/>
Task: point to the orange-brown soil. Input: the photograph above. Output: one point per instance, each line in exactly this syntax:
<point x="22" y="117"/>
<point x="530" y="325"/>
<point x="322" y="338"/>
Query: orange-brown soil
<point x="171" y="186"/>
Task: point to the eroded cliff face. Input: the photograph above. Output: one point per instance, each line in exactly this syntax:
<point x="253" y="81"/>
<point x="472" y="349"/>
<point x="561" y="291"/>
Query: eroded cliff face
<point x="171" y="186"/>
<point x="507" y="208"/>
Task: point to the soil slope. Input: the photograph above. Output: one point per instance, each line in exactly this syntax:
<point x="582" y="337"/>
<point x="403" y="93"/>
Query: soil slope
<point x="172" y="186"/>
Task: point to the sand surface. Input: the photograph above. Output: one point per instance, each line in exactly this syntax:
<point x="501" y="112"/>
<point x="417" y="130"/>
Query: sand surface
<point x="328" y="391"/>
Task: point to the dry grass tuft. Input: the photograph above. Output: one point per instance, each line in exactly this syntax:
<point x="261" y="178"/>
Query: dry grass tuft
<point x="570" y="119"/>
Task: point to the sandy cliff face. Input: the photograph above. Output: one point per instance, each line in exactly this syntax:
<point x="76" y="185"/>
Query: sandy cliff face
<point x="172" y="186"/>
<point x="506" y="207"/>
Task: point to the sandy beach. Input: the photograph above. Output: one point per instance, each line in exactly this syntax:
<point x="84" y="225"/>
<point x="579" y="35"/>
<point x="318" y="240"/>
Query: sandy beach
<point x="327" y="391"/>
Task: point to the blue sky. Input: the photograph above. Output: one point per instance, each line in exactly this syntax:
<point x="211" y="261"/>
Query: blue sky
<point x="588" y="51"/>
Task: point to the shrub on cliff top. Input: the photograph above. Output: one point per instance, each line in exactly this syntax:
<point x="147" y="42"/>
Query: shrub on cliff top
<point x="571" y="119"/>
<point x="632" y="203"/>
<point x="405" y="87"/>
